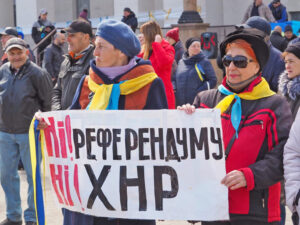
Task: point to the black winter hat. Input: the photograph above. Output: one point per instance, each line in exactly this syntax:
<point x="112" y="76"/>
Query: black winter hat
<point x="255" y="38"/>
<point x="288" y="28"/>
<point x="10" y="31"/>
<point x="190" y="41"/>
<point x="294" y="49"/>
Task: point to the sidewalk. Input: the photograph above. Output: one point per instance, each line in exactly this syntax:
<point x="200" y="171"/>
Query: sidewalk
<point x="53" y="213"/>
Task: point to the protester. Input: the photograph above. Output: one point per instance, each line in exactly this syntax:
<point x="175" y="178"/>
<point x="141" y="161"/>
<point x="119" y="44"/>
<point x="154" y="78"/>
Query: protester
<point x="161" y="54"/>
<point x="83" y="15"/>
<point x="289" y="82"/>
<point x="8" y="33"/>
<point x="296" y="39"/>
<point x="129" y="18"/>
<point x="115" y="62"/>
<point x="40" y="29"/>
<point x="256" y="124"/>
<point x="257" y="8"/>
<point x="288" y="33"/>
<point x="279" y="11"/>
<point x="172" y="36"/>
<point x="194" y="73"/>
<point x="275" y="63"/>
<point x="75" y="65"/>
<point x="25" y="89"/>
<point x="277" y="40"/>
<point x="54" y="56"/>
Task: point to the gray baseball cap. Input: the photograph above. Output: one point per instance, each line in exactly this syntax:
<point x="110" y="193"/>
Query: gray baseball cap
<point x="15" y="43"/>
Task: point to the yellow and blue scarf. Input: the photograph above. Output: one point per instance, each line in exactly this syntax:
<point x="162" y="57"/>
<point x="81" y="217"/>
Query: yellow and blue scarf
<point x="107" y="96"/>
<point x="34" y="134"/>
<point x="262" y="90"/>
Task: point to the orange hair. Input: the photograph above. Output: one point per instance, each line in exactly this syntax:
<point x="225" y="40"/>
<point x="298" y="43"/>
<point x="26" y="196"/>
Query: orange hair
<point x="240" y="43"/>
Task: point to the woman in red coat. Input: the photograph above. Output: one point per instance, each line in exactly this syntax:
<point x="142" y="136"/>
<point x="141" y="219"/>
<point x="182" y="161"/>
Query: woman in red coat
<point x="161" y="54"/>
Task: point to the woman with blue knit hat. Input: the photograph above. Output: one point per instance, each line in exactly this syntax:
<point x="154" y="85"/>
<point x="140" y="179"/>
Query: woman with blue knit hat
<point x="117" y="80"/>
<point x="256" y="123"/>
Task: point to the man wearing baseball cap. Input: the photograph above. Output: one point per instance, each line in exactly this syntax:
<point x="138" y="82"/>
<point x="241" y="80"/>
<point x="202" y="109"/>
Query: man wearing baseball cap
<point x="75" y="65"/>
<point x="7" y="34"/>
<point x="40" y="29"/>
<point x="25" y="89"/>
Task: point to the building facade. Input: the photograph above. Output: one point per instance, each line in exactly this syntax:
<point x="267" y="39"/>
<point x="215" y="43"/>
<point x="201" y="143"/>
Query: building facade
<point x="23" y="13"/>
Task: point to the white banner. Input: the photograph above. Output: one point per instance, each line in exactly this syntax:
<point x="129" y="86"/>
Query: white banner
<point x="150" y="164"/>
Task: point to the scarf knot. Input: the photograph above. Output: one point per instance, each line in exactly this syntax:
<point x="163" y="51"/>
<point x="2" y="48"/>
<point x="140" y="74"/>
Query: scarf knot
<point x="262" y="90"/>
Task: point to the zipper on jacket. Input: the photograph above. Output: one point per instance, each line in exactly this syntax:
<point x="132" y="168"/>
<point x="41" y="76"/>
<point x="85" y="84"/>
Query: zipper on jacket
<point x="255" y="122"/>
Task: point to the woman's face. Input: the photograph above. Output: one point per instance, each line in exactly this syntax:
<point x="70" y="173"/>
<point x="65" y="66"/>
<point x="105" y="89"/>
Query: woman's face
<point x="194" y="49"/>
<point x="292" y="65"/>
<point x="235" y="74"/>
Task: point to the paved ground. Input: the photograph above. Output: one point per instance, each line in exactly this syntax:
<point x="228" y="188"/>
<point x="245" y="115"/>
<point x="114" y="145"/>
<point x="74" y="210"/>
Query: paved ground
<point x="53" y="213"/>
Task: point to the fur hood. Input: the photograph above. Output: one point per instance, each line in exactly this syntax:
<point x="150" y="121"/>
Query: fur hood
<point x="289" y="87"/>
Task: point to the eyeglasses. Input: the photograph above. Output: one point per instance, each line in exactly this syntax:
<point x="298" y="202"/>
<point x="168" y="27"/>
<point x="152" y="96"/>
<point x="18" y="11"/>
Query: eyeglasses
<point x="239" y="61"/>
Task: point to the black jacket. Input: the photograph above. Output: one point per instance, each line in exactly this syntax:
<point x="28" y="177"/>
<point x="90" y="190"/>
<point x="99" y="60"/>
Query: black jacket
<point x="69" y="76"/>
<point x="278" y="41"/>
<point x="131" y="21"/>
<point x="38" y="32"/>
<point x="292" y="38"/>
<point x="22" y="95"/>
<point x="274" y="67"/>
<point x="52" y="60"/>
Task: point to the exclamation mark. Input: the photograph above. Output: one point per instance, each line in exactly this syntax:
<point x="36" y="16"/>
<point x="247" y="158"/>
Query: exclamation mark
<point x="69" y="134"/>
<point x="76" y="184"/>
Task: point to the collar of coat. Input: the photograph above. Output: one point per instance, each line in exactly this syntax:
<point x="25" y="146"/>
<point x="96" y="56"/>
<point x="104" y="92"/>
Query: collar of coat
<point x="289" y="87"/>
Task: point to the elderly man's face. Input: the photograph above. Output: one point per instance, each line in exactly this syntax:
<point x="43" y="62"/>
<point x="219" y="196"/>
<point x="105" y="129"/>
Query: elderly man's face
<point x="17" y="57"/>
<point x="44" y="16"/>
<point x="106" y="54"/>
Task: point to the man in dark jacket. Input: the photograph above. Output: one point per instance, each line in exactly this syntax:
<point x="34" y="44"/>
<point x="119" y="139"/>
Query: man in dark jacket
<point x="54" y="56"/>
<point x="25" y="89"/>
<point x="130" y="19"/>
<point x="279" y="11"/>
<point x="288" y="33"/>
<point x="40" y="29"/>
<point x="277" y="40"/>
<point x="75" y="65"/>
<point x="275" y="65"/>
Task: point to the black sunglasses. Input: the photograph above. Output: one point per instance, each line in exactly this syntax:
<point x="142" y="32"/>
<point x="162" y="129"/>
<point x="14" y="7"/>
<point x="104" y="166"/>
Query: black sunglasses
<point x="239" y="61"/>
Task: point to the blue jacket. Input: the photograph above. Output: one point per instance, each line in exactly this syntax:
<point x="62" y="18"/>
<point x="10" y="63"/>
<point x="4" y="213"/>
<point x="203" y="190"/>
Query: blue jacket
<point x="279" y="13"/>
<point x="274" y="67"/>
<point x="187" y="81"/>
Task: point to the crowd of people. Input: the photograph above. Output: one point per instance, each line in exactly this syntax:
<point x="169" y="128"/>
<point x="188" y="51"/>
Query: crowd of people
<point x="259" y="99"/>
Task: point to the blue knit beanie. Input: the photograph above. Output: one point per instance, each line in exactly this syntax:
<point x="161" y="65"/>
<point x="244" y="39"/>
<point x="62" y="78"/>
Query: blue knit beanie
<point x="120" y="36"/>
<point x="259" y="23"/>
